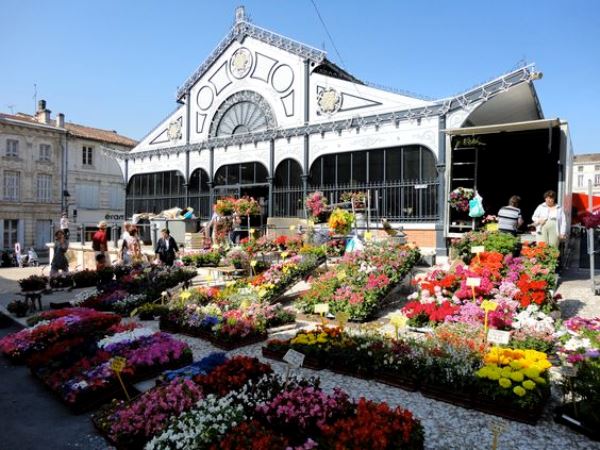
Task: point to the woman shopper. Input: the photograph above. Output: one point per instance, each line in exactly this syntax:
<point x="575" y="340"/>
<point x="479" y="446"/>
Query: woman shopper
<point x="550" y="221"/>
<point x="59" y="260"/>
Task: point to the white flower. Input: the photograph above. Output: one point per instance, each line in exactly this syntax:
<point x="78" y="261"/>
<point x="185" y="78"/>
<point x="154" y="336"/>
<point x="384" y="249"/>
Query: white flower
<point x="125" y="336"/>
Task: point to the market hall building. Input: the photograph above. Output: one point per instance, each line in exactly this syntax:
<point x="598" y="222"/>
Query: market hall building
<point x="272" y="118"/>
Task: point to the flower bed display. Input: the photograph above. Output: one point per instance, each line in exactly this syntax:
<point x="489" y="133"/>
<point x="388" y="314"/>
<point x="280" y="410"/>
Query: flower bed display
<point x="579" y="352"/>
<point x="492" y="241"/>
<point x="254" y="408"/>
<point x="361" y="281"/>
<point x="90" y="381"/>
<point x="224" y="327"/>
<point x="52" y="327"/>
<point x="451" y="366"/>
<point x="203" y="258"/>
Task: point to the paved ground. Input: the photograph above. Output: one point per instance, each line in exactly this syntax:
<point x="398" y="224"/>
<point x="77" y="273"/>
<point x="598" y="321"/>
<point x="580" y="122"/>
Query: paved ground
<point x="32" y="418"/>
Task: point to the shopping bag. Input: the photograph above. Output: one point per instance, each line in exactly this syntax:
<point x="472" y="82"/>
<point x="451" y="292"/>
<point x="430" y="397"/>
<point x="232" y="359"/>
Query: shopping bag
<point x="476" y="206"/>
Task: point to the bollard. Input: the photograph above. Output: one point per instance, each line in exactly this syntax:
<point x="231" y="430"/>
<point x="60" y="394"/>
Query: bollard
<point x="154" y="234"/>
<point x="82" y="234"/>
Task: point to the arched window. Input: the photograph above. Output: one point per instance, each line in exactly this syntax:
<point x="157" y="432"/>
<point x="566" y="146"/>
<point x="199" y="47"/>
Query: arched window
<point x="287" y="190"/>
<point x="199" y="193"/>
<point x="401" y="181"/>
<point x="243" y="112"/>
<point x="155" y="192"/>
<point x="288" y="173"/>
<point x="244" y="173"/>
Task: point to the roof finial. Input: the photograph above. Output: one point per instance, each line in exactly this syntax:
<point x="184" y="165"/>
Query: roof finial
<point x="240" y="14"/>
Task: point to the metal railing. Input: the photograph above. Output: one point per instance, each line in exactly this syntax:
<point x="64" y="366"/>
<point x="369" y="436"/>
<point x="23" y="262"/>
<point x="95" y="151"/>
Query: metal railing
<point x="401" y="201"/>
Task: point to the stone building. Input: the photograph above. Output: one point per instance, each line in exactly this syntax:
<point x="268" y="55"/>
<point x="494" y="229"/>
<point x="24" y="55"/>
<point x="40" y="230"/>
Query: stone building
<point x="49" y="166"/>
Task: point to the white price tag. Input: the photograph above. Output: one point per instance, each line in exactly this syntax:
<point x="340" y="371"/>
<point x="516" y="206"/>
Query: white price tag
<point x="568" y="371"/>
<point x="498" y="337"/>
<point x="294" y="358"/>
<point x="321" y="308"/>
<point x="477" y="249"/>
<point x="473" y="282"/>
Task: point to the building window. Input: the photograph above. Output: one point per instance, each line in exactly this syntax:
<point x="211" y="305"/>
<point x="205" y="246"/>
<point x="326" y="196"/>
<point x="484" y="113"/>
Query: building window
<point x="44" y="188"/>
<point x="87" y="195"/>
<point x="597" y="180"/>
<point x="579" y="180"/>
<point x="12" y="148"/>
<point x="45" y="152"/>
<point x="87" y="156"/>
<point x="597" y="167"/>
<point x="12" y="182"/>
<point x="116" y="197"/>
<point x="580" y="169"/>
<point x="9" y="237"/>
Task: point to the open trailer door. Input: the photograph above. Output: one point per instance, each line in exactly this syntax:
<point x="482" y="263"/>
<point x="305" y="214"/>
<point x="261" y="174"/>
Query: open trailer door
<point x="498" y="161"/>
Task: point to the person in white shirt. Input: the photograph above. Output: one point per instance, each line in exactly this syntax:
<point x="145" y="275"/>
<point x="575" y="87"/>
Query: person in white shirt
<point x="550" y="221"/>
<point x="64" y="225"/>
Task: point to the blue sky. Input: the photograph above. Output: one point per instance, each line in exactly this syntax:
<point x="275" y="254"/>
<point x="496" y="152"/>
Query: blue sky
<point x="116" y="64"/>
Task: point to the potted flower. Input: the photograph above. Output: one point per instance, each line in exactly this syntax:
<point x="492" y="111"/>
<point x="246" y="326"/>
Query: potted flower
<point x="238" y="258"/>
<point x="225" y="206"/>
<point x="18" y="307"/>
<point x="459" y="198"/>
<point x="358" y="199"/>
<point x="340" y="221"/>
<point x="316" y="205"/>
<point x="33" y="283"/>
<point x="246" y="206"/>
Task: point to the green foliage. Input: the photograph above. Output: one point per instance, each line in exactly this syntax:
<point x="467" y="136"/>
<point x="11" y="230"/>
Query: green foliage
<point x="492" y="241"/>
<point x="203" y="259"/>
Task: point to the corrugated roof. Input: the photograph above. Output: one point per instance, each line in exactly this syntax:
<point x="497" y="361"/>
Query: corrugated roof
<point x="77" y="130"/>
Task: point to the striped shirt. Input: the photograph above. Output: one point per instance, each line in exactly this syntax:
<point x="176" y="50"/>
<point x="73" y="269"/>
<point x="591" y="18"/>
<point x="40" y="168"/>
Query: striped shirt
<point x="508" y="218"/>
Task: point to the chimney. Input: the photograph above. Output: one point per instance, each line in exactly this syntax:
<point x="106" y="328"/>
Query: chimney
<point x="60" y="120"/>
<point x="43" y="114"/>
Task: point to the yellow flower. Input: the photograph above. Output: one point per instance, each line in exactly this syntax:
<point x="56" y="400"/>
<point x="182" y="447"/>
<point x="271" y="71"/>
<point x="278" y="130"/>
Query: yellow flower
<point x="518" y="390"/>
<point x="529" y="385"/>
<point x="539" y="380"/>
<point x="506" y="372"/>
<point x="494" y="374"/>
<point x="505" y="383"/>
<point x="516" y="376"/>
<point x="516" y="364"/>
<point x="531" y="372"/>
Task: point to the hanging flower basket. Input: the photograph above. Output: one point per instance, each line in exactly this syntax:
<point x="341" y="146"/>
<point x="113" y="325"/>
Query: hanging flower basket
<point x="316" y="204"/>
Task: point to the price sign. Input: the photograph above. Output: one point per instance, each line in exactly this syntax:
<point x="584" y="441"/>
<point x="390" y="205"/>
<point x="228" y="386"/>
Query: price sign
<point x="568" y="371"/>
<point x="342" y="318"/>
<point x="478" y="249"/>
<point x="118" y="363"/>
<point x="321" y="308"/>
<point x="215" y="246"/>
<point x="251" y="231"/>
<point x="488" y="305"/>
<point x="368" y="235"/>
<point x="498" y="337"/>
<point x="284" y="255"/>
<point x="473" y="281"/>
<point x="292" y="227"/>
<point x="341" y="275"/>
<point x="253" y="263"/>
<point x="294" y="358"/>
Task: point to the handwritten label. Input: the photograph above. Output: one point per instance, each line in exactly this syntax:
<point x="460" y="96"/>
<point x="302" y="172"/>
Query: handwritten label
<point x="118" y="363"/>
<point x="473" y="281"/>
<point x="498" y="337"/>
<point x="321" y="308"/>
<point x="478" y="249"/>
<point x="342" y="318"/>
<point x="488" y="305"/>
<point x="568" y="371"/>
<point x="294" y="358"/>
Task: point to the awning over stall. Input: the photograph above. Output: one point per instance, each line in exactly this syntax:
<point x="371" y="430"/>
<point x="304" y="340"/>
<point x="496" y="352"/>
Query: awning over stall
<point x="504" y="127"/>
